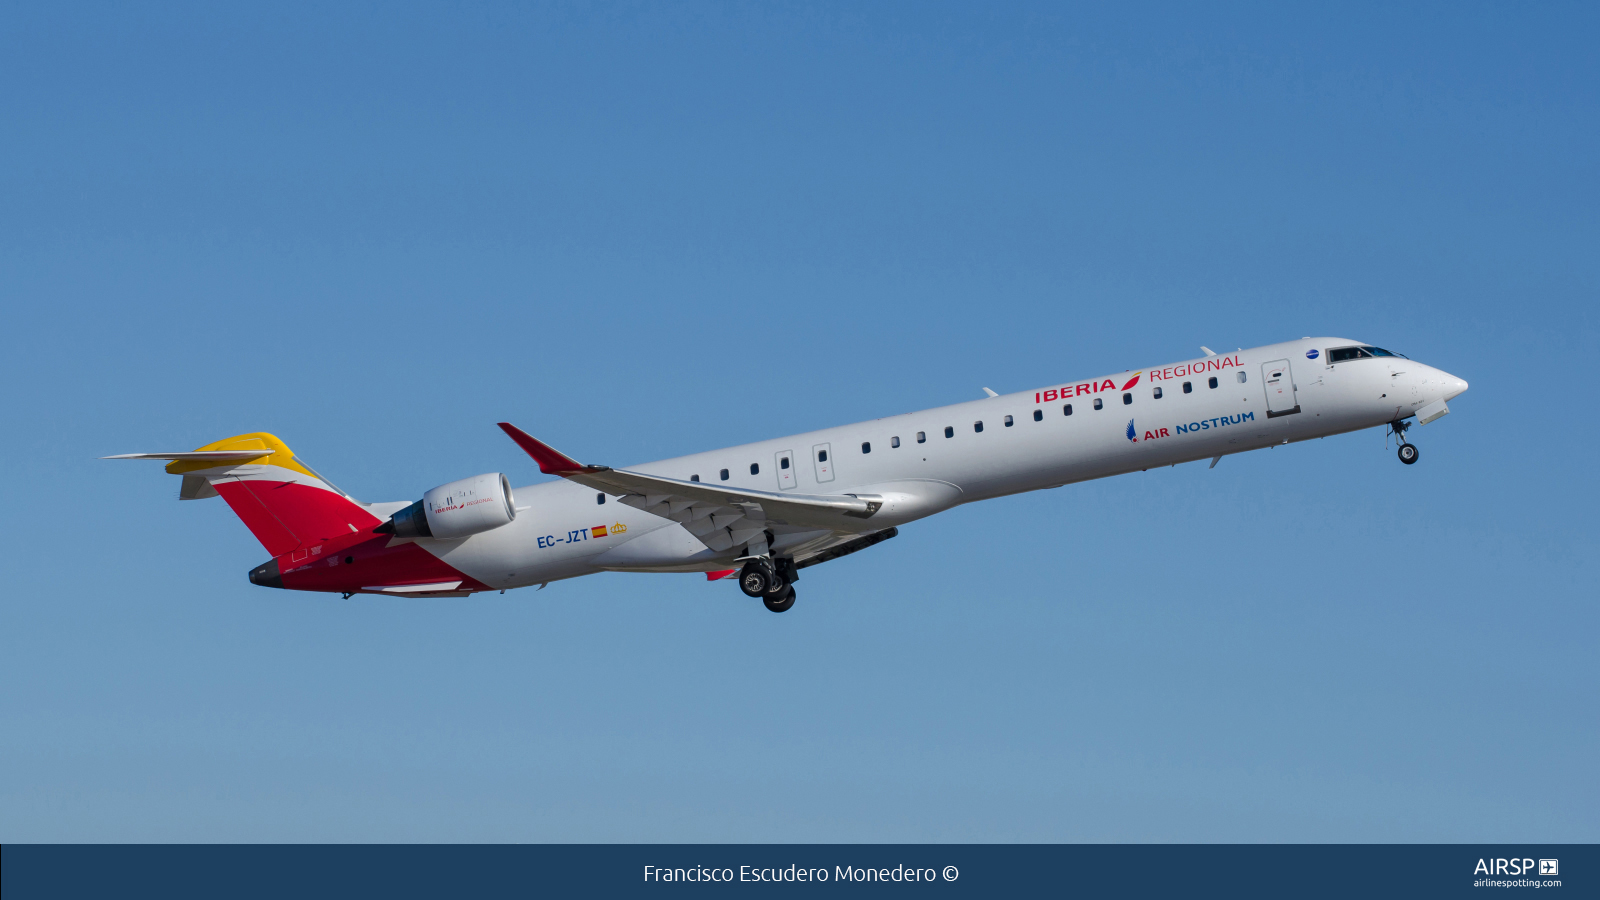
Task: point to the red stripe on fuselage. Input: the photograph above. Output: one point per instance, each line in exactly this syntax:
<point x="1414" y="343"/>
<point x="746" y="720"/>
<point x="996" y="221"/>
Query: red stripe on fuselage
<point x="311" y="532"/>
<point x="372" y="562"/>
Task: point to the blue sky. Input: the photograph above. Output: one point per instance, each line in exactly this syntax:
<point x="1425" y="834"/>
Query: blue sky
<point x="643" y="230"/>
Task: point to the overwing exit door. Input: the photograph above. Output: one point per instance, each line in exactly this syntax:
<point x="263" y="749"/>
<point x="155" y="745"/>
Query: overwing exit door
<point x="822" y="456"/>
<point x="1279" y="381"/>
<point x="785" y="469"/>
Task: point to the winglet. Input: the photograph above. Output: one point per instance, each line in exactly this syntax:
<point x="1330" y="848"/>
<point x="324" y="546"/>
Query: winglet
<point x="551" y="461"/>
<point x="990" y="393"/>
<point x="719" y="575"/>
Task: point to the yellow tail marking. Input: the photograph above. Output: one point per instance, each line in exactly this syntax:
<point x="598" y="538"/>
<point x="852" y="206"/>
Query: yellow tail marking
<point x="260" y="440"/>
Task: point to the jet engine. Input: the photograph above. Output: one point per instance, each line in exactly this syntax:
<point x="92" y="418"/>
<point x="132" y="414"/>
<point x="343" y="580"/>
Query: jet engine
<point x="456" y="510"/>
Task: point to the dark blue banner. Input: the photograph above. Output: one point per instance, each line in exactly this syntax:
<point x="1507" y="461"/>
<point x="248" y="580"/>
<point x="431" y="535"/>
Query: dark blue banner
<point x="944" y="871"/>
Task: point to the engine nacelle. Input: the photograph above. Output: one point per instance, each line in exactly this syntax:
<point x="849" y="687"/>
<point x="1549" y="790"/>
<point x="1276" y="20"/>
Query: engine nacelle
<point x="458" y="509"/>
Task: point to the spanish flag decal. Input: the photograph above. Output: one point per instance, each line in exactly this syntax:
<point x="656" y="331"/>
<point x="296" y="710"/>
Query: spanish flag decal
<point x="599" y="531"/>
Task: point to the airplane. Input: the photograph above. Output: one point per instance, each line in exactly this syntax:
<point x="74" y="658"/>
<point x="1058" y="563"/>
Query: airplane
<point x="769" y="509"/>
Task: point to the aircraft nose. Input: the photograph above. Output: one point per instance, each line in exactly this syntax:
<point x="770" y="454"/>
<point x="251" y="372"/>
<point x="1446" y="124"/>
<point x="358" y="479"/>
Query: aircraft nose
<point x="1454" y="386"/>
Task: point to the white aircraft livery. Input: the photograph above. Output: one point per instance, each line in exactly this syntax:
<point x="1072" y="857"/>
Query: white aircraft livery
<point x="764" y="511"/>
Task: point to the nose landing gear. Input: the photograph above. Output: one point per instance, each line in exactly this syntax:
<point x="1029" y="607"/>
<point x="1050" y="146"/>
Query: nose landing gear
<point x="1408" y="451"/>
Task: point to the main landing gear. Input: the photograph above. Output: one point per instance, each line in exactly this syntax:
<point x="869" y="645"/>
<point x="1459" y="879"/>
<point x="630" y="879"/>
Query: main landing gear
<point x="782" y="602"/>
<point x="1408" y="451"/>
<point x="770" y="580"/>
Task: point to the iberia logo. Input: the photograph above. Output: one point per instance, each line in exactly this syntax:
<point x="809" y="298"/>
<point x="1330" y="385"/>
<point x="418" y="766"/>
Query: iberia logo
<point x="1132" y="434"/>
<point x="1133" y="381"/>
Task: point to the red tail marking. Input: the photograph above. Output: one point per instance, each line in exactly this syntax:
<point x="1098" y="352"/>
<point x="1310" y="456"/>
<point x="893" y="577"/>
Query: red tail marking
<point x="717" y="576"/>
<point x="372" y="562"/>
<point x="284" y="515"/>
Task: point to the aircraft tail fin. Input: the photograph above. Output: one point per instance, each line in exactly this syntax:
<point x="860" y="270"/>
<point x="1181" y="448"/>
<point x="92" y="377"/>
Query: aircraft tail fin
<point x="283" y="501"/>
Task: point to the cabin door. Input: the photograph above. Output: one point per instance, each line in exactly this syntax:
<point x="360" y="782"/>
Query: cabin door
<point x="1279" y="382"/>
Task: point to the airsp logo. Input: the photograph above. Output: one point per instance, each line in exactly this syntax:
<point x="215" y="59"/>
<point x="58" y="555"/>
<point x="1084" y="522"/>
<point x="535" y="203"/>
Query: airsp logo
<point x="1515" y="867"/>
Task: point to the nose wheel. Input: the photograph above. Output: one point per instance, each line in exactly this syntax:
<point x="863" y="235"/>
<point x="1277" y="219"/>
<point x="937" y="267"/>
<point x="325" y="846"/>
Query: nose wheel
<point x="1408" y="450"/>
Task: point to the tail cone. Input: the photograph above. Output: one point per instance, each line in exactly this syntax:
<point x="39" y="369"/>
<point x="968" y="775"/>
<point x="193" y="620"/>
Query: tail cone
<point x="267" y="575"/>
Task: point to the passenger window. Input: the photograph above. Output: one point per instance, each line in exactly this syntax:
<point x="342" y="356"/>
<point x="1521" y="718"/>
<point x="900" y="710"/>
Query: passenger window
<point x="1038" y="415"/>
<point x="1127" y="399"/>
<point x="600" y="499"/>
<point x="694" y="477"/>
<point x="724" y="474"/>
<point x="1099" y="404"/>
<point x="755" y="468"/>
<point x="866" y="446"/>
<point x="783" y="463"/>
<point x="822" y="456"/>
<point x="1008" y="421"/>
<point x="977" y="426"/>
<point x="894" y="442"/>
<point x="1240" y="375"/>
<point x="1156" y="392"/>
<point x="1188" y="388"/>
<point x="922" y="437"/>
<point x="1066" y="410"/>
<point x="1212" y="381"/>
<point x="949" y="431"/>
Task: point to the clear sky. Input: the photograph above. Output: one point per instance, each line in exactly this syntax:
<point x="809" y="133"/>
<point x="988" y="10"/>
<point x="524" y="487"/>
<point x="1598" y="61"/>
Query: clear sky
<point x="645" y="230"/>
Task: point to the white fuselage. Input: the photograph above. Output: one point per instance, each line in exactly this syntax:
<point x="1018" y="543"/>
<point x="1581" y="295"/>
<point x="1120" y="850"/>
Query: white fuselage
<point x="995" y="446"/>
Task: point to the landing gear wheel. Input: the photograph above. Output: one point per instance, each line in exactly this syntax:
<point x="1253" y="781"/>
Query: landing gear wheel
<point x="757" y="580"/>
<point x="780" y="602"/>
<point x="1408" y="453"/>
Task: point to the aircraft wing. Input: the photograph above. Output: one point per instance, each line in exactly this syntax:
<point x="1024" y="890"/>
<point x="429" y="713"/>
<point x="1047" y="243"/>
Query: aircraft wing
<point x="721" y="517"/>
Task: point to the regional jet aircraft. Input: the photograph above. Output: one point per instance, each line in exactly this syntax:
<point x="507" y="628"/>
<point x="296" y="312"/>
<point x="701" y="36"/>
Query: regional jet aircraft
<point x="764" y="511"/>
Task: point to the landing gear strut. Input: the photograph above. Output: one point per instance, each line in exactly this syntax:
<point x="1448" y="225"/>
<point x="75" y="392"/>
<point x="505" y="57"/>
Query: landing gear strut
<point x="1408" y="451"/>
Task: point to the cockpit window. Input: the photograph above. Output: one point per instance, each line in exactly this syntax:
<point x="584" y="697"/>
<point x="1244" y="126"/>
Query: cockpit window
<point x="1379" y="351"/>
<point x="1365" y="351"/>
